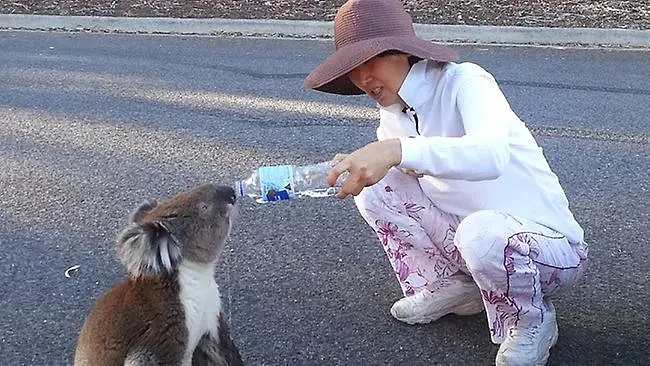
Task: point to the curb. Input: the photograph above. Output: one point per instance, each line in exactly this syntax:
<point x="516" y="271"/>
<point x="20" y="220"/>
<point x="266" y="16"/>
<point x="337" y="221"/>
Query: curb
<point x="639" y="38"/>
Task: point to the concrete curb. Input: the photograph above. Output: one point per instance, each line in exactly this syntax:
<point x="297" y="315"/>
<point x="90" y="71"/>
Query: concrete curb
<point x="321" y="29"/>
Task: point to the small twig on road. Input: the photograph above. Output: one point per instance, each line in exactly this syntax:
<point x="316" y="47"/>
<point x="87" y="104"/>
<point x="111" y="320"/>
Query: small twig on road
<point x="71" y="269"/>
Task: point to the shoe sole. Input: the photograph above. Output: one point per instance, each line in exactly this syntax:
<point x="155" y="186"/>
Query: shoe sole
<point x="470" y="309"/>
<point x="461" y="310"/>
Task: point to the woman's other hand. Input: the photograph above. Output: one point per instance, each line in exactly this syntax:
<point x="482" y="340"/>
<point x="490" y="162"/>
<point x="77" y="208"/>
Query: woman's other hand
<point x="412" y="173"/>
<point x="366" y="166"/>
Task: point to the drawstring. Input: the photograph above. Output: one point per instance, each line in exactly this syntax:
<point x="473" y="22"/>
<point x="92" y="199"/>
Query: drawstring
<point x="410" y="112"/>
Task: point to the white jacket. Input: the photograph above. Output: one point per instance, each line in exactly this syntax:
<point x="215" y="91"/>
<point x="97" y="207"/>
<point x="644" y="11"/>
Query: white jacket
<point x="475" y="152"/>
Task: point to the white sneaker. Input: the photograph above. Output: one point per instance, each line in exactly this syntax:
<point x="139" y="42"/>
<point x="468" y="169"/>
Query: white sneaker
<point x="529" y="346"/>
<point x="457" y="294"/>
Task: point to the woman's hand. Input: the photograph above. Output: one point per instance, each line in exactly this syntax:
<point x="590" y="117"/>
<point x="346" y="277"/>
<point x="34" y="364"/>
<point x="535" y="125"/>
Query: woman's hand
<point x="366" y="166"/>
<point x="412" y="173"/>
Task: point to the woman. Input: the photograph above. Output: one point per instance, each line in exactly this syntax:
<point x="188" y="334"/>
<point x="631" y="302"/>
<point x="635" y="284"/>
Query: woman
<point x="460" y="195"/>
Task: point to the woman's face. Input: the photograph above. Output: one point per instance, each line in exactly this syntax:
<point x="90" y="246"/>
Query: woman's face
<point x="381" y="77"/>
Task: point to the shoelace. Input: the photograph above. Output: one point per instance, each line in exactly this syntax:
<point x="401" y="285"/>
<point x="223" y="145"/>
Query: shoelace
<point x="444" y="283"/>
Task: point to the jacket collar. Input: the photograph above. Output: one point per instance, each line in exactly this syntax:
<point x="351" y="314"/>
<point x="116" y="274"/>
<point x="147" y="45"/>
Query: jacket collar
<point x="413" y="89"/>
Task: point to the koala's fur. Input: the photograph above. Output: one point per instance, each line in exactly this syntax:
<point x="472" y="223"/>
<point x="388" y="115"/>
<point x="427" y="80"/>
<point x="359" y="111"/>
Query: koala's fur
<point x="168" y="310"/>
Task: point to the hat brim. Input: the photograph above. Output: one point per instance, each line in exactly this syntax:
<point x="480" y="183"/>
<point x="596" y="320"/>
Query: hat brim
<point x="331" y="75"/>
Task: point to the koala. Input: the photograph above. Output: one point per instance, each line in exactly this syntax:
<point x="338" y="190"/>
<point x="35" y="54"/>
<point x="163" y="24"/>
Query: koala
<point x="168" y="309"/>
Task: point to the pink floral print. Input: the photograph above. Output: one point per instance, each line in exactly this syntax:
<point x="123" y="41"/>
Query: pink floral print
<point x="385" y="230"/>
<point x="412" y="210"/>
<point x="514" y="261"/>
<point x="507" y="312"/>
<point x="449" y="247"/>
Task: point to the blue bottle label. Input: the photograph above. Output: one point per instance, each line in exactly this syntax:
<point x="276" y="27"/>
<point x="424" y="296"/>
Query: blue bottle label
<point x="276" y="182"/>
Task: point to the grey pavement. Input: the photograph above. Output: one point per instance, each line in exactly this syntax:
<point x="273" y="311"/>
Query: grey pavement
<point x="93" y="124"/>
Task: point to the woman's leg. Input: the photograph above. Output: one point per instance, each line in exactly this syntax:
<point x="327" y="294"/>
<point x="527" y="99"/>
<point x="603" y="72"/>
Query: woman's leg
<point x="417" y="237"/>
<point x="519" y="265"/>
<point x="418" y="240"/>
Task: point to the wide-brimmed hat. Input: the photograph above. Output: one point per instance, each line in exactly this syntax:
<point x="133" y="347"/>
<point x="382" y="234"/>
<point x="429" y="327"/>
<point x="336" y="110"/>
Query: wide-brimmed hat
<point x="364" y="29"/>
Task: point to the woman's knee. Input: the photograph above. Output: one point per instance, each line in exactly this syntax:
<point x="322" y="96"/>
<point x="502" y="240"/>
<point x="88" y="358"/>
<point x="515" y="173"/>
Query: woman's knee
<point x="369" y="198"/>
<point x="378" y="195"/>
<point x="481" y="235"/>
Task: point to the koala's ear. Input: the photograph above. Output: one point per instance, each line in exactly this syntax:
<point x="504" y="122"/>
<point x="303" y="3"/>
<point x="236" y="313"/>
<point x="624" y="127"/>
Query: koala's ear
<point x="142" y="210"/>
<point x="149" y="249"/>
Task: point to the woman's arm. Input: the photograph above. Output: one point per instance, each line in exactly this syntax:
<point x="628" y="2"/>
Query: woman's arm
<point x="366" y="166"/>
<point x="482" y="153"/>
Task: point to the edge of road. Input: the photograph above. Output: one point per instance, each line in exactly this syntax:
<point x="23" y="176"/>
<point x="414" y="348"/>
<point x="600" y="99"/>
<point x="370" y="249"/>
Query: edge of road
<point x="534" y="36"/>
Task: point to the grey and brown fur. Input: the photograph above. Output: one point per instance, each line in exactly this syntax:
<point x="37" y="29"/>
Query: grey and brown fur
<point x="168" y="310"/>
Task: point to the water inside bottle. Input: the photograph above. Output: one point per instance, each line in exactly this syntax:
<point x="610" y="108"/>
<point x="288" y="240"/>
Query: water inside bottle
<point x="284" y="182"/>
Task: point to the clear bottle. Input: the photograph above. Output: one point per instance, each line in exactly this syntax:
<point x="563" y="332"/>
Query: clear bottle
<point x="283" y="182"/>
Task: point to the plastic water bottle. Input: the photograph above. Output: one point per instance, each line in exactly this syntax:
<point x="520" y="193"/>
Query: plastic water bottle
<point x="284" y="182"/>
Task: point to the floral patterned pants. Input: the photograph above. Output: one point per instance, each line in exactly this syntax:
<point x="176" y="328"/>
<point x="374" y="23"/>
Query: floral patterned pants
<point x="515" y="262"/>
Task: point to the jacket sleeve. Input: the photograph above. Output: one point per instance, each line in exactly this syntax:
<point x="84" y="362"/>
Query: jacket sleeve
<point x="480" y="154"/>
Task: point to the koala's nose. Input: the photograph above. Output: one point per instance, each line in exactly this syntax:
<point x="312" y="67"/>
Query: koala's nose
<point x="227" y="194"/>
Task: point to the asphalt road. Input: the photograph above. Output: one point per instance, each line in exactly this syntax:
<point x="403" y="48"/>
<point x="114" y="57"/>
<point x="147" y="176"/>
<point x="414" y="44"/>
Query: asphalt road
<point x="93" y="124"/>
